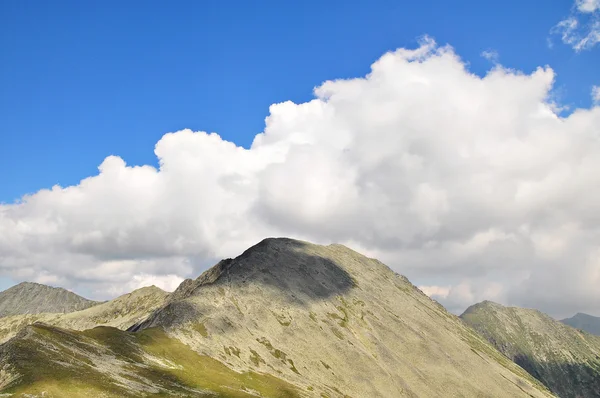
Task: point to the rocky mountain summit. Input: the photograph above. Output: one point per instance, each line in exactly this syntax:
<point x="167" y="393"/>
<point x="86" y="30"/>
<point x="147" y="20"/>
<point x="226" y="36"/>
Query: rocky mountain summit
<point x="565" y="359"/>
<point x="336" y="323"/>
<point x="284" y="319"/>
<point x="34" y="298"/>
<point x="585" y="322"/>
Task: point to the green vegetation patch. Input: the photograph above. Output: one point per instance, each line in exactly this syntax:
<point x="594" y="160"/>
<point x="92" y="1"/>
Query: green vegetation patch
<point x="342" y="320"/>
<point x="337" y="333"/>
<point x="256" y="358"/>
<point x="278" y="354"/>
<point x="282" y="319"/>
<point x="200" y="328"/>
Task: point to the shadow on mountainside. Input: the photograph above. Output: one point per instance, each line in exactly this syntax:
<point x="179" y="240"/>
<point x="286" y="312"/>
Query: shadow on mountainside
<point x="284" y="264"/>
<point x="278" y="269"/>
<point x="567" y="380"/>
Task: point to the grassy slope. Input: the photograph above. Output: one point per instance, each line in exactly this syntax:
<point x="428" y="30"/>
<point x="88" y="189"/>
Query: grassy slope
<point x="108" y="362"/>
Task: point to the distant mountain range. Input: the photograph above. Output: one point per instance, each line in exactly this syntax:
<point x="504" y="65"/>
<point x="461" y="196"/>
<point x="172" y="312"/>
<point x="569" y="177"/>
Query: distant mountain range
<point x="33" y="298"/>
<point x="122" y="312"/>
<point x="287" y="319"/>
<point x="588" y="323"/>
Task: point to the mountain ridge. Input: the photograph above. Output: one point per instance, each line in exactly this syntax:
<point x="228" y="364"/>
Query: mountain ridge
<point x="121" y="312"/>
<point x="564" y="359"/>
<point x="292" y="316"/>
<point x="33" y="298"/>
<point x="589" y="323"/>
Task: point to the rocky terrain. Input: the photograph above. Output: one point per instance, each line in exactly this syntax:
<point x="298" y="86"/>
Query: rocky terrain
<point x="565" y="359"/>
<point x="122" y="312"/>
<point x="284" y="319"/>
<point x="585" y="322"/>
<point x="34" y="298"/>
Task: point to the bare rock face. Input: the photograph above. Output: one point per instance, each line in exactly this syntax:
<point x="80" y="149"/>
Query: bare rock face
<point x="565" y="359"/>
<point x="34" y="298"/>
<point x="336" y="324"/>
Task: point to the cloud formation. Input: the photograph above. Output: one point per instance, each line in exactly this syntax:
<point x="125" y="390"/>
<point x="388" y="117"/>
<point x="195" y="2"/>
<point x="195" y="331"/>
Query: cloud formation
<point x="596" y="94"/>
<point x="581" y="29"/>
<point x="471" y="186"/>
<point x="491" y="55"/>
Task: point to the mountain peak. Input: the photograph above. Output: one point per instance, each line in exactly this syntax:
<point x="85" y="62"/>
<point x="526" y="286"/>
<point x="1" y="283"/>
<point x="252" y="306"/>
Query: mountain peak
<point x="586" y="322"/>
<point x="35" y="298"/>
<point x="297" y="270"/>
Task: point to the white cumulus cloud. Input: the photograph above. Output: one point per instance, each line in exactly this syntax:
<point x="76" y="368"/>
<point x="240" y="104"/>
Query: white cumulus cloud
<point x="471" y="184"/>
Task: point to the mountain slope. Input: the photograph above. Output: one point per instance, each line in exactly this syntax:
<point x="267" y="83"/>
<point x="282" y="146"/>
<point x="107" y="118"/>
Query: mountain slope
<point x="122" y="313"/>
<point x="564" y="359"/>
<point x="46" y="361"/>
<point x="334" y="323"/>
<point x="34" y="298"/>
<point x="588" y="323"/>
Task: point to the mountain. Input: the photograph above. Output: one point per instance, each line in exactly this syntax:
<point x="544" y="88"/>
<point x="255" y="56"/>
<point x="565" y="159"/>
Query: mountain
<point x="566" y="360"/>
<point x="34" y="298"/>
<point x="332" y="321"/>
<point x="284" y="319"/>
<point x="588" y="323"/>
<point x="122" y="313"/>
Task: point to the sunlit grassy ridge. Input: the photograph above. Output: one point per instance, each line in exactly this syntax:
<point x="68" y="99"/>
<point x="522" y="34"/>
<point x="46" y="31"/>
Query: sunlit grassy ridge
<point x="108" y="362"/>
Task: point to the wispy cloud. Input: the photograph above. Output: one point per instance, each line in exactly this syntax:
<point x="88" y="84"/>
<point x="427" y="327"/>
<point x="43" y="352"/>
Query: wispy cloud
<point x="581" y="29"/>
<point x="491" y="55"/>
<point x="596" y="94"/>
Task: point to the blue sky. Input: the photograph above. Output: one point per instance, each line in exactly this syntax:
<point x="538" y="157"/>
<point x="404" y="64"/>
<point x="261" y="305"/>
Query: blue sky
<point x="84" y="80"/>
